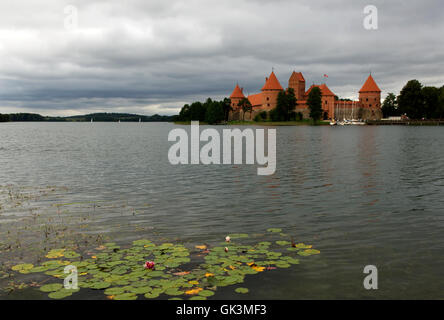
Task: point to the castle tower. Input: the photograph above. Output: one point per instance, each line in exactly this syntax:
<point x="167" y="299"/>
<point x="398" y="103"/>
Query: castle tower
<point x="370" y="94"/>
<point x="270" y="92"/>
<point x="297" y="82"/>
<point x="236" y="97"/>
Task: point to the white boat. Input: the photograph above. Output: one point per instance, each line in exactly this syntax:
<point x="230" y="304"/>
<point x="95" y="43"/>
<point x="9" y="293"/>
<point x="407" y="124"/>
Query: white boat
<point x="357" y="122"/>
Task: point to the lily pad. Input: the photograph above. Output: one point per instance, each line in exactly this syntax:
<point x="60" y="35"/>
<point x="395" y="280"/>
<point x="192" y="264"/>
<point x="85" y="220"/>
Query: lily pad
<point x="63" y="293"/>
<point x="125" y="296"/>
<point x="242" y="290"/>
<point x="51" y="287"/>
<point x="206" y="293"/>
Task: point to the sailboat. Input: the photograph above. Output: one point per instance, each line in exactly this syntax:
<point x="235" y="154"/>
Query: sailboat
<point x="354" y="121"/>
<point x="92" y="120"/>
<point x="140" y="120"/>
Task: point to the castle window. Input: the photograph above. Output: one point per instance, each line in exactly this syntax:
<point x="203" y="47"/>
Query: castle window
<point x="268" y="104"/>
<point x="366" y="99"/>
<point x="370" y="105"/>
<point x="268" y="98"/>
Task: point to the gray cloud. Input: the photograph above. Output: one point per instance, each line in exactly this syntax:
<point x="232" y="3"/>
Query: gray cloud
<point x="154" y="56"/>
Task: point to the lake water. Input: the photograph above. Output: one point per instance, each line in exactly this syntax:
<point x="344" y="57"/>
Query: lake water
<point x="370" y="195"/>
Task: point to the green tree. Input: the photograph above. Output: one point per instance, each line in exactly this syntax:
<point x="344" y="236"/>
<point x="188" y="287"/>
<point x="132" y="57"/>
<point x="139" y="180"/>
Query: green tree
<point x="286" y="104"/>
<point x="215" y="112"/>
<point x="440" y="111"/>
<point x="4" y="118"/>
<point x="431" y="97"/>
<point x="411" y="100"/>
<point x="226" y="103"/>
<point x="314" y="103"/>
<point x="291" y="103"/>
<point x="197" y="111"/>
<point x="246" y="107"/>
<point x="390" y="106"/>
<point x="185" y="113"/>
<point x="281" y="106"/>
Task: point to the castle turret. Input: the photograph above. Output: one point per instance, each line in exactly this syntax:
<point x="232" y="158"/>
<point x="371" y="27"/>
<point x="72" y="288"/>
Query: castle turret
<point x="370" y="94"/>
<point x="270" y="91"/>
<point x="236" y="97"/>
<point x="297" y="82"/>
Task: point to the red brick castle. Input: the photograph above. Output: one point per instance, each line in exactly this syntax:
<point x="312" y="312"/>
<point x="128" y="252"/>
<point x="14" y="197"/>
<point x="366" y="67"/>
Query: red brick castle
<point x="367" y="108"/>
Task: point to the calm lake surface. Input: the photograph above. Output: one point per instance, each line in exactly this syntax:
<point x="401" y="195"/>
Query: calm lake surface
<point x="361" y="195"/>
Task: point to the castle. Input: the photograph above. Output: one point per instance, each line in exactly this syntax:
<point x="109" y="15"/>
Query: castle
<point x="367" y="108"/>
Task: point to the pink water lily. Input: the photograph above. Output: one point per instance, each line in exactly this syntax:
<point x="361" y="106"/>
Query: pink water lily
<point x="227" y="239"/>
<point x="149" y="265"/>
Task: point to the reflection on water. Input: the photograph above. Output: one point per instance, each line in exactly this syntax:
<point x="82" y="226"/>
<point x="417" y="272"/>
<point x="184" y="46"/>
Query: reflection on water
<point x="362" y="195"/>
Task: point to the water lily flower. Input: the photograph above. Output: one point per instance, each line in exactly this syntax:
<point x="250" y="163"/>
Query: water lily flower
<point x="149" y="265"/>
<point x="226" y="249"/>
<point x="227" y="239"/>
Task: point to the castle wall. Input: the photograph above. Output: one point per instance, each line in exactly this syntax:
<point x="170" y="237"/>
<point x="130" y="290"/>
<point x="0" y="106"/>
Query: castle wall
<point x="269" y="99"/>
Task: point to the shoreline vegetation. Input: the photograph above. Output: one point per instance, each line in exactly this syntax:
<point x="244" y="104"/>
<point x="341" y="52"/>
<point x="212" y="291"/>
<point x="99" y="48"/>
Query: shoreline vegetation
<point x="97" y="117"/>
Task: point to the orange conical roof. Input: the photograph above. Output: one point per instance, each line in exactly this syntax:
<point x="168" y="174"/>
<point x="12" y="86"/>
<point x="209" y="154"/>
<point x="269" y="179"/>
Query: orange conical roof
<point x="325" y="91"/>
<point x="370" y="85"/>
<point x="237" y="93"/>
<point x="297" y="76"/>
<point x="272" y="83"/>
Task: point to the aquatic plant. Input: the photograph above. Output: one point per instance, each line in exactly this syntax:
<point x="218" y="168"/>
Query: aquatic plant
<point x="125" y="273"/>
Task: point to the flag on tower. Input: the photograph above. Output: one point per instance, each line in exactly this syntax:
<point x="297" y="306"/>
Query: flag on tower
<point x="325" y="76"/>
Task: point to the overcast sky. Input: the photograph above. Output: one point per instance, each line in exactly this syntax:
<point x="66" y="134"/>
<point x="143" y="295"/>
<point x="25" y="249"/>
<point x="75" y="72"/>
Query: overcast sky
<point x="152" y="56"/>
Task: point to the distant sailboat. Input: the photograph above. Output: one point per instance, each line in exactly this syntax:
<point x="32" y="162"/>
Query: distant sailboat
<point x="140" y="120"/>
<point x="119" y="120"/>
<point x="92" y="120"/>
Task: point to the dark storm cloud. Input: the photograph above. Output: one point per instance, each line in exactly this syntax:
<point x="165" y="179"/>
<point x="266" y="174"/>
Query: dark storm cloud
<point x="154" y="56"/>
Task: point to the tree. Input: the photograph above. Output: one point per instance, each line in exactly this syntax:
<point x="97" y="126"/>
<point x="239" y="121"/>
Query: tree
<point x="314" y="103"/>
<point x="440" y="111"/>
<point x="390" y="106"/>
<point x="281" y="106"/>
<point x="291" y="102"/>
<point x="197" y="111"/>
<point x="411" y="100"/>
<point x="185" y="113"/>
<point x="4" y="118"/>
<point x="431" y="97"/>
<point x="226" y="103"/>
<point x="286" y="104"/>
<point x="246" y="107"/>
<point x="215" y="112"/>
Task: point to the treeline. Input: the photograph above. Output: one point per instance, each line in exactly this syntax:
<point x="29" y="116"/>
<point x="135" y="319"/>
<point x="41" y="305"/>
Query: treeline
<point x="99" y="117"/>
<point x="416" y="102"/>
<point x="209" y="111"/>
<point x="21" y="117"/>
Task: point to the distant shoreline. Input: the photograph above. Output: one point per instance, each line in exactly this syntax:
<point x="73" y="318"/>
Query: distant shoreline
<point x="93" y="117"/>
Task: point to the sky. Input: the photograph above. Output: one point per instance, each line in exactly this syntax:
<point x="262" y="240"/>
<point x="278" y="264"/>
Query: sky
<point x="70" y="57"/>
